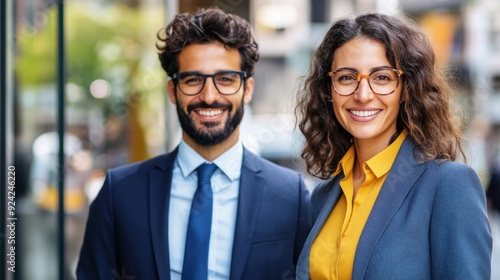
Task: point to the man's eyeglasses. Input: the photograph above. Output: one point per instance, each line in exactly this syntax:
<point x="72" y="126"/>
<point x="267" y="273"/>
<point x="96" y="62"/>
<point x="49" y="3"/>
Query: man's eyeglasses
<point x="381" y="81"/>
<point x="226" y="82"/>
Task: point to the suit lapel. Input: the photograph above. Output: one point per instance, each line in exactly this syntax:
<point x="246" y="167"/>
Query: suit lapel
<point x="249" y="199"/>
<point x="160" y="180"/>
<point x="403" y="175"/>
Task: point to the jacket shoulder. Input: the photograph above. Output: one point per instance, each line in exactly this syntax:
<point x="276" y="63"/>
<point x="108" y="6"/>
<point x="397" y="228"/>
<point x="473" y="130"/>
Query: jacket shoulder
<point x="268" y="166"/>
<point x="141" y="167"/>
<point x="451" y="171"/>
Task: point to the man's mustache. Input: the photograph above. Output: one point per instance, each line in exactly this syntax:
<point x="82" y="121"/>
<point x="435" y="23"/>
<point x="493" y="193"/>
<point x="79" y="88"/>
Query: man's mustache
<point x="215" y="105"/>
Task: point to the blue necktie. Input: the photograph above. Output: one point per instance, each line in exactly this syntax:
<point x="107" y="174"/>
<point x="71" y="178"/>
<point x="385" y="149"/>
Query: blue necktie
<point x="195" y="265"/>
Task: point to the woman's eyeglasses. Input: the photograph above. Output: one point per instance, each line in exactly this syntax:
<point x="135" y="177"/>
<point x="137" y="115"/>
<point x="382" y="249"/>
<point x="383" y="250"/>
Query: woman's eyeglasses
<point x="381" y="81"/>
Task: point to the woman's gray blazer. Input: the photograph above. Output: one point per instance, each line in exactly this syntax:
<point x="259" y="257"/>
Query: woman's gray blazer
<point x="428" y="222"/>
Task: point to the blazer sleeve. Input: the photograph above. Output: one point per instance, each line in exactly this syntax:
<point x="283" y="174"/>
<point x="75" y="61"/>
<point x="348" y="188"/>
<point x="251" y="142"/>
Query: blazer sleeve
<point x="98" y="252"/>
<point x="460" y="235"/>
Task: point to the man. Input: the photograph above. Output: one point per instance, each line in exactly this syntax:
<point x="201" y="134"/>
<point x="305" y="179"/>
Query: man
<point x="140" y="225"/>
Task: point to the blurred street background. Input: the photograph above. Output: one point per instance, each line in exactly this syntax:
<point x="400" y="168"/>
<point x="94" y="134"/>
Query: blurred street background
<point x="117" y="111"/>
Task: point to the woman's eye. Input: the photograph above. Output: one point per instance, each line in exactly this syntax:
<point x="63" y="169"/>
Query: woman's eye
<point x="347" y="78"/>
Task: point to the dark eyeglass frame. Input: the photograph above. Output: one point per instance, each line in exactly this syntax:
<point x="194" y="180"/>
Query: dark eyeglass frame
<point x="177" y="76"/>
<point x="399" y="73"/>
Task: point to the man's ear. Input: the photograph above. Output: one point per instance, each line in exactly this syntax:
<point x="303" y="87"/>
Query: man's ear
<point x="171" y="91"/>
<point x="248" y="93"/>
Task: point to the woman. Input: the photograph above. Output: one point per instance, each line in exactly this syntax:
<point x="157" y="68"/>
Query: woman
<point x="376" y="115"/>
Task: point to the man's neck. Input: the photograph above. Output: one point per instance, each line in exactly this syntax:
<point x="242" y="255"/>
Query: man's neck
<point x="210" y="153"/>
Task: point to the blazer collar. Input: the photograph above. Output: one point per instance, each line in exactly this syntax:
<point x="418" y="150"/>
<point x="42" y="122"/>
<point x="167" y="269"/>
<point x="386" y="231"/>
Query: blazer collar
<point x="251" y="190"/>
<point x="160" y="179"/>
<point x="405" y="172"/>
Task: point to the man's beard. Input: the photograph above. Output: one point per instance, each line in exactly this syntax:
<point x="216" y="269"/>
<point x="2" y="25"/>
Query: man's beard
<point x="207" y="136"/>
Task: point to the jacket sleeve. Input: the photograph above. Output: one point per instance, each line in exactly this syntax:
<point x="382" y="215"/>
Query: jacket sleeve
<point x="461" y="241"/>
<point x="304" y="225"/>
<point x="98" y="253"/>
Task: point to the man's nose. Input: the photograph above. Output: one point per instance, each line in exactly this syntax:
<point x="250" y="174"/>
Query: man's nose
<point x="209" y="94"/>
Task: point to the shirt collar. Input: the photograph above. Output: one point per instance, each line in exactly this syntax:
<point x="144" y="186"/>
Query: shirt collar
<point x="346" y="163"/>
<point x="229" y="162"/>
<point x="380" y="164"/>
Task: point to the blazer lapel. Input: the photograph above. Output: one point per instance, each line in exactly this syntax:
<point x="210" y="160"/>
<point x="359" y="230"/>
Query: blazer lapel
<point x="249" y="199"/>
<point x="160" y="180"/>
<point x="403" y="175"/>
<point x="330" y="201"/>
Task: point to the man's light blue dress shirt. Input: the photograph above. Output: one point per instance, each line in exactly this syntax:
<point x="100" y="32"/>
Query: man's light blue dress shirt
<point x="225" y="187"/>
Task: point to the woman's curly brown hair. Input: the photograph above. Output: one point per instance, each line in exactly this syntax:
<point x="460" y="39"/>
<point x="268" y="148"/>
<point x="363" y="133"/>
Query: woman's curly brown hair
<point x="425" y="109"/>
<point x="206" y="26"/>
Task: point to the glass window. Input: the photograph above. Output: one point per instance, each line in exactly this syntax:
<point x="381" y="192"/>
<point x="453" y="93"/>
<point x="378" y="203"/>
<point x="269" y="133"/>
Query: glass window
<point x="115" y="114"/>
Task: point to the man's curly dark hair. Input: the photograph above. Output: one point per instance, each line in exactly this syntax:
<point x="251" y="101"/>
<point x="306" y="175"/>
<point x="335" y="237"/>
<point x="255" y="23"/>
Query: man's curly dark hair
<point x="207" y="26"/>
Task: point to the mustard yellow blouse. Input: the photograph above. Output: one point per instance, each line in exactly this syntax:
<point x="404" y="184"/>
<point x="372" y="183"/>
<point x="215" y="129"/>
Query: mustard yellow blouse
<point x="333" y="250"/>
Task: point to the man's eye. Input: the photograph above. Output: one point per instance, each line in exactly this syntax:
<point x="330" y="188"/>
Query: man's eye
<point x="225" y="79"/>
<point x="192" y="79"/>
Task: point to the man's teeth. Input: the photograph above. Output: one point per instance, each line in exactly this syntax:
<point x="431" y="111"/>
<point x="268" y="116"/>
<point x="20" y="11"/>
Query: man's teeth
<point x="210" y="113"/>
<point x="365" y="113"/>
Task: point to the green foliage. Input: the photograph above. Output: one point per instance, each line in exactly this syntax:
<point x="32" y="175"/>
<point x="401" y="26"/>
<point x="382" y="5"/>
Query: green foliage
<point x="36" y="52"/>
<point x="112" y="43"/>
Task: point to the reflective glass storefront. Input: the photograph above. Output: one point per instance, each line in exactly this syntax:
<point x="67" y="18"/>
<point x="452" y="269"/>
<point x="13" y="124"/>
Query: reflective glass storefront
<point x="82" y="75"/>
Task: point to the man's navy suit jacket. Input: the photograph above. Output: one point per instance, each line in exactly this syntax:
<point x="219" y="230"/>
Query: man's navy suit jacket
<point x="127" y="229"/>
